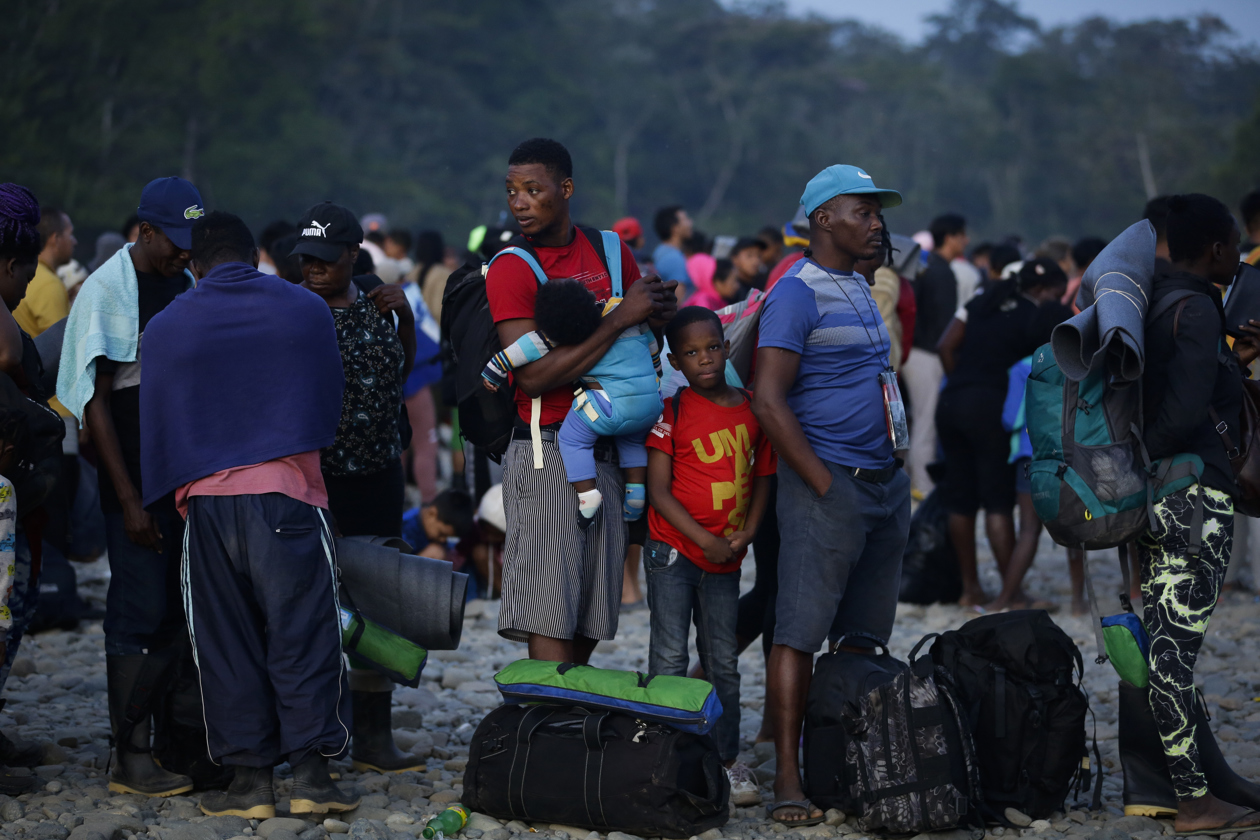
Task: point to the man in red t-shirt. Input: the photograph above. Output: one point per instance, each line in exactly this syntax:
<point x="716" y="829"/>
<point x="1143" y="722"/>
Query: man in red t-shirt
<point x="561" y="586"/>
<point x="709" y="468"/>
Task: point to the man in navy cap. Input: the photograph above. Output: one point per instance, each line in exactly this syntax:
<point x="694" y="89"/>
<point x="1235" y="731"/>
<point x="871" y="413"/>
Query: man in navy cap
<point x="844" y="502"/>
<point x="144" y="623"/>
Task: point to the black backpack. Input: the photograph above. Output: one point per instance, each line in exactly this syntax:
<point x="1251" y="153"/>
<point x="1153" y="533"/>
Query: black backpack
<point x="595" y="769"/>
<point x="1017" y="675"/>
<point x="894" y="748"/>
<point x="929" y="566"/>
<point x="470" y="340"/>
<point x="840" y="680"/>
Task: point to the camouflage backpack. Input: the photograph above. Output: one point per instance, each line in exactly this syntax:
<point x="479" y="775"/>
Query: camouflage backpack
<point x="913" y="756"/>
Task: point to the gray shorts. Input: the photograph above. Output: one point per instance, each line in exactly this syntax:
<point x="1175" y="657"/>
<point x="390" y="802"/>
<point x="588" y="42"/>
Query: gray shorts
<point x="839" y="558"/>
<point x="558" y="581"/>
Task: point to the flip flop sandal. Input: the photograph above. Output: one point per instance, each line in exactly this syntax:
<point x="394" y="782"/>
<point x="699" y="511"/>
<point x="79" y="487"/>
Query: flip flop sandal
<point x="805" y="805"/>
<point x="1228" y="828"/>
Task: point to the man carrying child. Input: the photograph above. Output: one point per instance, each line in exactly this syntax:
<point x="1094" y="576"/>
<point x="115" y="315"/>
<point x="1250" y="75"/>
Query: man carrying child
<point x="709" y="468"/>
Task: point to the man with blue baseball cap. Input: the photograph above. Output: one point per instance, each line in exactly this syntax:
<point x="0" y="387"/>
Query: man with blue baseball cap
<point x="843" y="501"/>
<point x="99" y="378"/>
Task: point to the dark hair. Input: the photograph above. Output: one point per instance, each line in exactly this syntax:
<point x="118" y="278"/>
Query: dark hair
<point x="980" y="250"/>
<point x="1250" y="208"/>
<point x="722" y="269"/>
<point x="402" y="236"/>
<point x="131" y="222"/>
<point x="455" y="508"/>
<point x="363" y="264"/>
<point x="19" y="220"/>
<point x="220" y="237"/>
<point x="1195" y="222"/>
<point x="885" y="243"/>
<point x="549" y="153"/>
<point x="288" y="265"/>
<point x="272" y="232"/>
<point x="15" y="429"/>
<point x="51" y="220"/>
<point x="566" y="311"/>
<point x="1086" y="250"/>
<point x="430" y="249"/>
<point x="949" y="224"/>
<point x="687" y="316"/>
<point x="697" y="243"/>
<point x="1040" y="273"/>
<point x="376" y="237"/>
<point x="770" y="235"/>
<point x="1003" y="255"/>
<point x="1156" y="212"/>
<point x="664" y="221"/>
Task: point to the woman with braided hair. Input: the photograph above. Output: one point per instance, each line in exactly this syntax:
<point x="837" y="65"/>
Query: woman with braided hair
<point x="19" y="252"/>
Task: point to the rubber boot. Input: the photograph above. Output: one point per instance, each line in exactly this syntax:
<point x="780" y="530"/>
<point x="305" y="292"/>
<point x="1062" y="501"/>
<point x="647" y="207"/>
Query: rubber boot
<point x="1222" y="781"/>
<point x="134" y="681"/>
<point x="314" y="791"/>
<point x="250" y="795"/>
<point x="11" y="785"/>
<point x="373" y="745"/>
<point x="20" y="753"/>
<point x="1148" y="787"/>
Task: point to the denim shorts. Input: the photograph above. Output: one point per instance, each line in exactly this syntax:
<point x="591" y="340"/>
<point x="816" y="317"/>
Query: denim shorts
<point x="840" y="557"/>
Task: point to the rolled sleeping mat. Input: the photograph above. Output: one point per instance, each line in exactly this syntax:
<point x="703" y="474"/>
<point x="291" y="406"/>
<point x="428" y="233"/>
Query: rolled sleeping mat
<point x="419" y="598"/>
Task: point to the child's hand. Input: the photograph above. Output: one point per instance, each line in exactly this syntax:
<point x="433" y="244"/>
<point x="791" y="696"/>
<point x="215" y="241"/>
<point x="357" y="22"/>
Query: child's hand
<point x="717" y="550"/>
<point x="490" y="386"/>
<point x="739" y="540"/>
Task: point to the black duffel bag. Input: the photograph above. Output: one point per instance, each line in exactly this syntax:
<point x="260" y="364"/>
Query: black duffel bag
<point x="840" y="680"/>
<point x="598" y="770"/>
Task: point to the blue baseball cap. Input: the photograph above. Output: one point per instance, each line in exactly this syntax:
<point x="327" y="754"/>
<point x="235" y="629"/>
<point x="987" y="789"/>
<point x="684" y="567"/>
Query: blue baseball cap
<point x="842" y="179"/>
<point x="171" y="204"/>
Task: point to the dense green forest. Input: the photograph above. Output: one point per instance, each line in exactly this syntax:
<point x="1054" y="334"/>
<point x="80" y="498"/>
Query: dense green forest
<point x="411" y="108"/>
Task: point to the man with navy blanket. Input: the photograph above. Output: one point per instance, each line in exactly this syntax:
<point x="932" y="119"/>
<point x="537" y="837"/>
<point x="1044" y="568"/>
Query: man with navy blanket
<point x="244" y="390"/>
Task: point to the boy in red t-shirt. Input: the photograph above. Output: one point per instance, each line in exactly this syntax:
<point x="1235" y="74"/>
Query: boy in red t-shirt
<point x="709" y="465"/>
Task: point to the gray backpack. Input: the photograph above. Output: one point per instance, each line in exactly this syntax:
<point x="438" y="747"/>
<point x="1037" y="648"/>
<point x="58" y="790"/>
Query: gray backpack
<point x="911" y="752"/>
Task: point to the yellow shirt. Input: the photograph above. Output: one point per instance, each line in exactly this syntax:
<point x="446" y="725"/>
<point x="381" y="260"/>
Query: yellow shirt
<point x="1254" y="257"/>
<point x="46" y="302"/>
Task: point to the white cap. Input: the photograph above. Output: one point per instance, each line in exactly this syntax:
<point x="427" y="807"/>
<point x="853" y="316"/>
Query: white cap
<point x="491" y="511"/>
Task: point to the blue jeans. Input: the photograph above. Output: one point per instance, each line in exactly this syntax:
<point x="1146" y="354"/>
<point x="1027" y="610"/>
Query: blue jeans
<point x="676" y="588"/>
<point x="143" y="609"/>
<point x="576" y="440"/>
<point x="840" y="557"/>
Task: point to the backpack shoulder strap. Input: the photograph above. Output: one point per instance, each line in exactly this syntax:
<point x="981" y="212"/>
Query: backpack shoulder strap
<point x="525" y="253"/>
<point x="1168" y="301"/>
<point x="368" y="282"/>
<point x="607" y="245"/>
<point x="673" y="420"/>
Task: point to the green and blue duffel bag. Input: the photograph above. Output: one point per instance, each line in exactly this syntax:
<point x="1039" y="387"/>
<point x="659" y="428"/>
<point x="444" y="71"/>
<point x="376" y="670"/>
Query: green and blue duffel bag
<point x="1093" y="485"/>
<point x="686" y="704"/>
<point x="381" y="649"/>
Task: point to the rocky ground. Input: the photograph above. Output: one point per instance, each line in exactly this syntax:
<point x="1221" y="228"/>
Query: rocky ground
<point x="57" y="695"/>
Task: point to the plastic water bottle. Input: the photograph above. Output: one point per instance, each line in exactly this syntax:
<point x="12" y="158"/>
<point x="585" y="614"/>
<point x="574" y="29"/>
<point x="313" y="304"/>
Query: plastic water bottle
<point x="446" y="824"/>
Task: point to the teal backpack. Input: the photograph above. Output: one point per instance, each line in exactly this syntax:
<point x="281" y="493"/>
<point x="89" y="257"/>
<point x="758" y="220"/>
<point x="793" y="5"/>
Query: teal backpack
<point x="1093" y="485"/>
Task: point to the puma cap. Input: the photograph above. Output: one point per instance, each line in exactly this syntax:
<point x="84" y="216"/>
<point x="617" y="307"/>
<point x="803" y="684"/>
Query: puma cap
<point x="325" y="230"/>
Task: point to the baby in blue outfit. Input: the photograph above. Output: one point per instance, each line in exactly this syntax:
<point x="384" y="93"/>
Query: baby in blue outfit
<point x="618" y="398"/>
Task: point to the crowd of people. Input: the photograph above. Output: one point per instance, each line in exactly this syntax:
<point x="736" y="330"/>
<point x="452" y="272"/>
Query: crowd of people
<point x="250" y="443"/>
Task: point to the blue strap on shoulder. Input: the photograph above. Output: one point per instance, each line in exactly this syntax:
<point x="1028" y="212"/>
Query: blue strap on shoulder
<point x="612" y="255"/>
<point x="529" y="261"/>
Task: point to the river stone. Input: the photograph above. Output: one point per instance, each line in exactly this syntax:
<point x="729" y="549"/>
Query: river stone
<point x="336" y="826"/>
<point x="482" y="822"/>
<point x="1018" y="818"/>
<point x="266" y="827"/>
<point x="225" y="827"/>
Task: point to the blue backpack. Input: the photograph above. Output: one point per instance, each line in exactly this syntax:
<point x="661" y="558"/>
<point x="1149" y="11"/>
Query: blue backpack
<point x="1093" y="484"/>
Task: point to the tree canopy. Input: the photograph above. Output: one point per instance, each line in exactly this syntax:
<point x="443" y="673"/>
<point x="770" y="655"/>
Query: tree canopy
<point x="412" y="108"/>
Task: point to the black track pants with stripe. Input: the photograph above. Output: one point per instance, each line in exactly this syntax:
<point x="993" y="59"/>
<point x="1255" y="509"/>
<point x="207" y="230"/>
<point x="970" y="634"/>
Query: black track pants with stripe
<point x="259" y="593"/>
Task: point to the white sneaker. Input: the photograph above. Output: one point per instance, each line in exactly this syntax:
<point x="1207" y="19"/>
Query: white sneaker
<point x="744" y="790"/>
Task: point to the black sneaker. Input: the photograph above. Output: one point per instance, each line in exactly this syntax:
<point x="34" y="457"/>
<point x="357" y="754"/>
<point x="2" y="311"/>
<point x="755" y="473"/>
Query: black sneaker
<point x="250" y="796"/>
<point x="314" y="791"/>
<point x="11" y="785"/>
<point x="20" y="753"/>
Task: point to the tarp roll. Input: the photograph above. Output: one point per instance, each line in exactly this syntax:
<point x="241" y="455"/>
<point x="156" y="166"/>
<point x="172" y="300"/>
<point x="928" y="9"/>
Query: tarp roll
<point x="419" y="598"/>
<point x="1114" y="298"/>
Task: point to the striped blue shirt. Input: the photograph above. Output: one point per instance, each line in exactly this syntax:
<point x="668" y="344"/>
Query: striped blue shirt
<point x="831" y="320"/>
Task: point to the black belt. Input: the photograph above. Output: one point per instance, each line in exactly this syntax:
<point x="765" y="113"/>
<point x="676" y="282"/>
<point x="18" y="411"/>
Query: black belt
<point x="603" y="451"/>
<point x="882" y="475"/>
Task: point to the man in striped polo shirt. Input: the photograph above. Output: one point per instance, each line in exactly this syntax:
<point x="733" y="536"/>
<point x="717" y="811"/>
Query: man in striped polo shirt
<point x="844" y="504"/>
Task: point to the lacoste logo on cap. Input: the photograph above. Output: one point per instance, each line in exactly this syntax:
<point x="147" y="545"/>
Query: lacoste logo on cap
<point x="194" y="212"/>
<point x="316" y="229"/>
